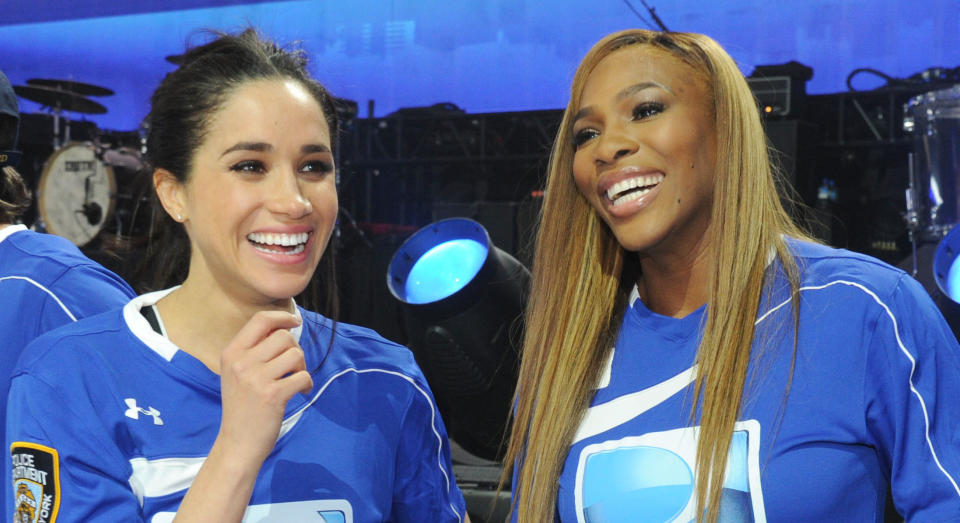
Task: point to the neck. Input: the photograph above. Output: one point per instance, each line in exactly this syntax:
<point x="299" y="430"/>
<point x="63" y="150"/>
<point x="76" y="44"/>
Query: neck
<point x="675" y="285"/>
<point x="201" y="318"/>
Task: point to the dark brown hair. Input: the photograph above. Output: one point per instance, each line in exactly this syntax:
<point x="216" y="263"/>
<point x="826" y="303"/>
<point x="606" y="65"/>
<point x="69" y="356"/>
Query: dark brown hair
<point x="181" y="110"/>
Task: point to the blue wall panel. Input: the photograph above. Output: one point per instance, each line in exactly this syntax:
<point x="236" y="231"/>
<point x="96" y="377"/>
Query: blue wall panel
<point x="484" y="56"/>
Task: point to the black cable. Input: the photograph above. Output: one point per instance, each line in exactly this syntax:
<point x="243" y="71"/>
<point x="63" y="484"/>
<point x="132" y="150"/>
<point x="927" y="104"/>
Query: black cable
<point x="933" y="76"/>
<point x="640" y="16"/>
<point x="653" y="13"/>
<point x="859" y="70"/>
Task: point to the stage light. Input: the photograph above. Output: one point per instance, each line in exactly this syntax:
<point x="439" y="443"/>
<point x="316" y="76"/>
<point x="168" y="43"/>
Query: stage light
<point x="444" y="270"/>
<point x="462" y="300"/>
<point x="946" y="265"/>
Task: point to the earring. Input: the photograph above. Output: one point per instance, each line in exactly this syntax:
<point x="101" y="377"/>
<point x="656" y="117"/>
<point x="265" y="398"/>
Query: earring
<point x="179" y="218"/>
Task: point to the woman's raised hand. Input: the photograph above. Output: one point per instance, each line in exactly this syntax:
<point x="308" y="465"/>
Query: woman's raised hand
<point x="260" y="370"/>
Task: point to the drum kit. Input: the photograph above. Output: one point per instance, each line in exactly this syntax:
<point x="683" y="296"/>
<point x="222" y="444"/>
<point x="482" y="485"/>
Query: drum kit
<point x="933" y="196"/>
<point x="88" y="189"/>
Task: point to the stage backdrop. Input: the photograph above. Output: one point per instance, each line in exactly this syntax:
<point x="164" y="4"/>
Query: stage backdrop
<point x="483" y="56"/>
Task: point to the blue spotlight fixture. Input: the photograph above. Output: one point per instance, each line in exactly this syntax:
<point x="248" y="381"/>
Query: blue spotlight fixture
<point x="462" y="300"/>
<point x="946" y="265"/>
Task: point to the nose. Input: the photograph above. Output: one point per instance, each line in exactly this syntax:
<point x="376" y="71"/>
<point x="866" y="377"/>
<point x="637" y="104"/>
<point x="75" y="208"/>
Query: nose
<point x="614" y="144"/>
<point x="287" y="197"/>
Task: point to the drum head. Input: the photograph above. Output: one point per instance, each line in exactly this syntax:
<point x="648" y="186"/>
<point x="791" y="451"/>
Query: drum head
<point x="76" y="193"/>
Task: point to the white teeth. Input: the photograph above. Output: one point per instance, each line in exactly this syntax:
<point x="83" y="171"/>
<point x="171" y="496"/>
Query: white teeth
<point x="648" y="180"/>
<point x="629" y="197"/>
<point x="286" y="240"/>
<point x="296" y="250"/>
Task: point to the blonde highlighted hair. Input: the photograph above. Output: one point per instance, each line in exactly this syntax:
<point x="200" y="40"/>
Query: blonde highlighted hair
<point x="582" y="278"/>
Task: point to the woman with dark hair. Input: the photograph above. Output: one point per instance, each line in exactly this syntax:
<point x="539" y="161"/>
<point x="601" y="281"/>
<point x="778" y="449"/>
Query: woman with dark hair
<point x="220" y="399"/>
<point x="690" y="354"/>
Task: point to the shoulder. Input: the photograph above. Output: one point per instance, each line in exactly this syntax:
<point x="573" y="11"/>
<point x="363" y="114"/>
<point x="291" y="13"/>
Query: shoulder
<point x="828" y="268"/>
<point x="843" y="288"/>
<point x="356" y="345"/>
<point x="50" y="247"/>
<point x="69" y="349"/>
<point x="49" y="260"/>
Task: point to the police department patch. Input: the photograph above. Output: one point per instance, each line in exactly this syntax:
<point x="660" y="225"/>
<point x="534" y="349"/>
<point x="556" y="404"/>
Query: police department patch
<point x="36" y="482"/>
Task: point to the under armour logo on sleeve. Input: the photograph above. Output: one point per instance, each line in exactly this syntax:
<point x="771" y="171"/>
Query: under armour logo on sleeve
<point x="134" y="412"/>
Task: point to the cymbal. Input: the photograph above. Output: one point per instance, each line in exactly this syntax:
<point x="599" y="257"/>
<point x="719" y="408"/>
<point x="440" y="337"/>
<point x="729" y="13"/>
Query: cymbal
<point x="69" y="85"/>
<point x="65" y="100"/>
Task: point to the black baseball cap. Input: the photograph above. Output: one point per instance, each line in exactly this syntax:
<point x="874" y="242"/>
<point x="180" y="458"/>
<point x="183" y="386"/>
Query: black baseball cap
<point x="9" y="107"/>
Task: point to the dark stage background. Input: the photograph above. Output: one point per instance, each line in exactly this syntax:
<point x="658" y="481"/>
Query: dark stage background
<point x="454" y="105"/>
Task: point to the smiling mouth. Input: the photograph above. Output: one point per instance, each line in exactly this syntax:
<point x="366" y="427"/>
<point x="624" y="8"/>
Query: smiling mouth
<point x="628" y="190"/>
<point x="278" y="243"/>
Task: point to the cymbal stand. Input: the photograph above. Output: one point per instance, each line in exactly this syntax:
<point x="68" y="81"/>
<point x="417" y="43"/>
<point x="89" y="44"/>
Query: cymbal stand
<point x="57" y="114"/>
<point x="913" y="220"/>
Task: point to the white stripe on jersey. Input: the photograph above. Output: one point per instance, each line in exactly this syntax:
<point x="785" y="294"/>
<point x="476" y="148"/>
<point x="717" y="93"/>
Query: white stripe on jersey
<point x="158" y="477"/>
<point x="44" y="289"/>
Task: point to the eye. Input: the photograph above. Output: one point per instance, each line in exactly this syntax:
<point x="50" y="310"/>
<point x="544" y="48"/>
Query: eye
<point x="249" y="166"/>
<point x="646" y="110"/>
<point x="316" y="167"/>
<point x="583" y="136"/>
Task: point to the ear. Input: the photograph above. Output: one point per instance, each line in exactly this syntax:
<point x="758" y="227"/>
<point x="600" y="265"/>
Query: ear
<point x="171" y="194"/>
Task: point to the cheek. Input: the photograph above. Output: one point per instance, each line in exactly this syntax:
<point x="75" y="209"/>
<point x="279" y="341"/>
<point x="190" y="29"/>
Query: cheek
<point x="583" y="176"/>
<point x="324" y="200"/>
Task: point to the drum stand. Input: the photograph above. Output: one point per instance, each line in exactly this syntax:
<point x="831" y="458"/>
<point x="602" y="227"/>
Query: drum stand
<point x="913" y="220"/>
<point x="57" y="115"/>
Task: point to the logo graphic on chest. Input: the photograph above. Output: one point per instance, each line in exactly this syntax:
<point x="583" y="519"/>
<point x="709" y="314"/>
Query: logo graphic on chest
<point x="134" y="412"/>
<point x="317" y="511"/>
<point x="651" y="478"/>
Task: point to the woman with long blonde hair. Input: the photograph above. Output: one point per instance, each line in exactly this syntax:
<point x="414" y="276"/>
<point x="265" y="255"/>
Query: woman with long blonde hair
<point x="689" y="353"/>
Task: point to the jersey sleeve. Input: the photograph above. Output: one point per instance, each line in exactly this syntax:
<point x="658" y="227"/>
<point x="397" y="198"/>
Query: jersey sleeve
<point x="63" y="468"/>
<point x="425" y="488"/>
<point x="85" y="290"/>
<point x="911" y="393"/>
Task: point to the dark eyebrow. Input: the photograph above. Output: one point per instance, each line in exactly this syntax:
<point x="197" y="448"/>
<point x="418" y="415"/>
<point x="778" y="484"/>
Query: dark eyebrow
<point x="265" y="147"/>
<point x="248" y="146"/>
<point x="636" y="88"/>
<point x="315" y="148"/>
<point x="626" y="92"/>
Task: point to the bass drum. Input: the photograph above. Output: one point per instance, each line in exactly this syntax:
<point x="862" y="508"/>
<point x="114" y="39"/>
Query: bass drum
<point x="75" y="195"/>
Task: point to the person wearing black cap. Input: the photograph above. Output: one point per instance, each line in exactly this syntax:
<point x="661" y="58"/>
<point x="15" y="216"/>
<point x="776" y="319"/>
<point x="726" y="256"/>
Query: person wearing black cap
<point x="45" y="281"/>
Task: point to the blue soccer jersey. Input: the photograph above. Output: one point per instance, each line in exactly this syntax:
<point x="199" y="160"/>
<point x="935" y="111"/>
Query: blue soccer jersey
<point x="45" y="282"/>
<point x="110" y="421"/>
<point x="873" y="403"/>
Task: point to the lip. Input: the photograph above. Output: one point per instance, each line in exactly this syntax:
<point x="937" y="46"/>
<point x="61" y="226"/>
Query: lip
<point x="284" y="229"/>
<point x="285" y="259"/>
<point x="611" y="178"/>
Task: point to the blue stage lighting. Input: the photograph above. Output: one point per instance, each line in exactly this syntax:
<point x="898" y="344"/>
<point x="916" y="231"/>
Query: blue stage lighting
<point x="444" y="270"/>
<point x="462" y="301"/>
<point x="438" y="261"/>
<point x="946" y="269"/>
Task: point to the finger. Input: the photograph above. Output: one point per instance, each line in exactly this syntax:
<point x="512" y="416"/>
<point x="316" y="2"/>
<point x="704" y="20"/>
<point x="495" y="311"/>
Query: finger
<point x="279" y="392"/>
<point x="289" y="362"/>
<point x="272" y="346"/>
<point x="300" y="381"/>
<point x="260" y="326"/>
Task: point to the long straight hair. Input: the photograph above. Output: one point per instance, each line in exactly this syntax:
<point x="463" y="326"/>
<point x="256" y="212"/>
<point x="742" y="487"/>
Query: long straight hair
<point x="582" y="278"/>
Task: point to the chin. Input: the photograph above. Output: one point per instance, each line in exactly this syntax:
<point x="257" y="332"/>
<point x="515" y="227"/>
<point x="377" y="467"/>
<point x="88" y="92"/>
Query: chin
<point x="282" y="290"/>
<point x="633" y="241"/>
